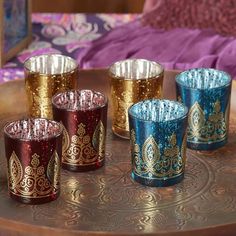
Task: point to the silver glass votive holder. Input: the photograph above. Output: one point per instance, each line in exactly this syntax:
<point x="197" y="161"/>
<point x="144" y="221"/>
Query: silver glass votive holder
<point x="158" y="141"/>
<point x="206" y="93"/>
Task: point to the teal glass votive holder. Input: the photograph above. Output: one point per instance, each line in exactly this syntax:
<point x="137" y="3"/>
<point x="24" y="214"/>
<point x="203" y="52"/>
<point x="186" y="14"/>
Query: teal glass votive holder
<point x="158" y="141"/>
<point x="206" y="93"/>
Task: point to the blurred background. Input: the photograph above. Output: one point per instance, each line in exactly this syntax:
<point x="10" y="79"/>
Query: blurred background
<point x="88" y="6"/>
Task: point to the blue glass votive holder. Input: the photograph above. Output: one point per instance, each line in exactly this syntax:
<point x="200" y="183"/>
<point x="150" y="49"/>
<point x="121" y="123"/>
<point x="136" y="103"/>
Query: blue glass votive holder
<point x="158" y="141"/>
<point x="206" y="93"/>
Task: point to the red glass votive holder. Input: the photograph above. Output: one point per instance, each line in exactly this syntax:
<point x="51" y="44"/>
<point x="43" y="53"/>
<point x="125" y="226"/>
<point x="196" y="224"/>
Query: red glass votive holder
<point x="33" y="150"/>
<point x="83" y="113"/>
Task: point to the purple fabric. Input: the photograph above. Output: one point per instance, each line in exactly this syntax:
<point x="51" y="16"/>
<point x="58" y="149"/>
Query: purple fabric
<point x="176" y="49"/>
<point x="66" y="34"/>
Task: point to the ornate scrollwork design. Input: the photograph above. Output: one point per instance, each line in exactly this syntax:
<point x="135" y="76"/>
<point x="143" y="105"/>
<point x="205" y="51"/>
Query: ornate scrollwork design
<point x="32" y="182"/>
<point x="203" y="130"/>
<point x="80" y="150"/>
<point x="152" y="163"/>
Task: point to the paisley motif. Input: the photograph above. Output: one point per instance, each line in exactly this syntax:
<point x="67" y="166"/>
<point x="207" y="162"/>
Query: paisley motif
<point x="53" y="170"/>
<point x="150" y="151"/>
<point x="15" y="171"/>
<point x="152" y="163"/>
<point x="196" y="119"/>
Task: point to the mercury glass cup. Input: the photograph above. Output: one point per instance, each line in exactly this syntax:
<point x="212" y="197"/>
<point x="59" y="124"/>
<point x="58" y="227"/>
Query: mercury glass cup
<point x="206" y="92"/>
<point x="158" y="141"/>
<point x="33" y="150"/>
<point x="46" y="75"/>
<point x="131" y="81"/>
<point x="83" y="113"/>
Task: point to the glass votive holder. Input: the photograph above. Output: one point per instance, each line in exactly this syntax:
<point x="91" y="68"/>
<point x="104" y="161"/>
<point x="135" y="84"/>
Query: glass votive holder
<point x="33" y="150"/>
<point x="46" y="75"/>
<point x="131" y="81"/>
<point x="83" y="113"/>
<point x="158" y="141"/>
<point x="206" y="93"/>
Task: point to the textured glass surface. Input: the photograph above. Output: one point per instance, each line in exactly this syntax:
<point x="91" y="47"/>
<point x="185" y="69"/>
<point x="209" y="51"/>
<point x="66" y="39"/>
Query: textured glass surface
<point x="30" y="129"/>
<point x="50" y="64"/>
<point x="203" y="78"/>
<point x="158" y="110"/>
<point x="136" y="69"/>
<point x="79" y="100"/>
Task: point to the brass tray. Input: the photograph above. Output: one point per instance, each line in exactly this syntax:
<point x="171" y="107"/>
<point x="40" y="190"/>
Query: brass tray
<point x="109" y="202"/>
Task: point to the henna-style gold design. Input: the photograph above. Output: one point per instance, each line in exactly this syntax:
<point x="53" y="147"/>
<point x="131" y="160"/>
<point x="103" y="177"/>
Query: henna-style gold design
<point x="34" y="183"/>
<point x="170" y="164"/>
<point x="202" y="130"/>
<point x="80" y="151"/>
<point x="151" y="155"/>
<point x="53" y="170"/>
<point x="15" y="171"/>
<point x="98" y="140"/>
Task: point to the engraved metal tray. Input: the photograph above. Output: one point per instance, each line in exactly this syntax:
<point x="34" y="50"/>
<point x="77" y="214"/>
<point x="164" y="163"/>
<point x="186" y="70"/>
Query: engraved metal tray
<point x="108" y="202"/>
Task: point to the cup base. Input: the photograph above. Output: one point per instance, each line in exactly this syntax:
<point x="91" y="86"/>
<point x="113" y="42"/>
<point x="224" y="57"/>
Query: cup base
<point x="157" y="182"/>
<point x="121" y="133"/>
<point x="206" y="146"/>
<point x="83" y="168"/>
<point x="35" y="201"/>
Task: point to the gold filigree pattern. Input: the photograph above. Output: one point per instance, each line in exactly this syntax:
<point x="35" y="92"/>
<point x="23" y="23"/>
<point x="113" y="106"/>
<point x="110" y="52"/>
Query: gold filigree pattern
<point x="33" y="183"/>
<point x="152" y="163"/>
<point x="151" y="155"/>
<point x="98" y="140"/>
<point x="80" y="151"/>
<point x="202" y="130"/>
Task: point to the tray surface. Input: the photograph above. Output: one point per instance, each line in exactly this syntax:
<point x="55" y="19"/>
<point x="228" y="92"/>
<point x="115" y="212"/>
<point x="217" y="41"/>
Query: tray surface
<point x="108" y="201"/>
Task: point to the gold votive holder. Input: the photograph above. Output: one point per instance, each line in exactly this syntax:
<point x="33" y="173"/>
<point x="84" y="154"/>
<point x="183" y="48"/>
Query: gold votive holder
<point x="132" y="80"/>
<point x="46" y="75"/>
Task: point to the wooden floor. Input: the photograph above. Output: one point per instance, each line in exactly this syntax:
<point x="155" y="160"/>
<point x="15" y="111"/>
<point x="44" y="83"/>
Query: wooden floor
<point x="90" y="6"/>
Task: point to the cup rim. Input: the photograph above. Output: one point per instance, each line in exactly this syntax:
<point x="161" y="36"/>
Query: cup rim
<point x="180" y="83"/>
<point x="60" y="131"/>
<point x="26" y="67"/>
<point x="79" y="90"/>
<point x="159" y="122"/>
<point x="111" y="74"/>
